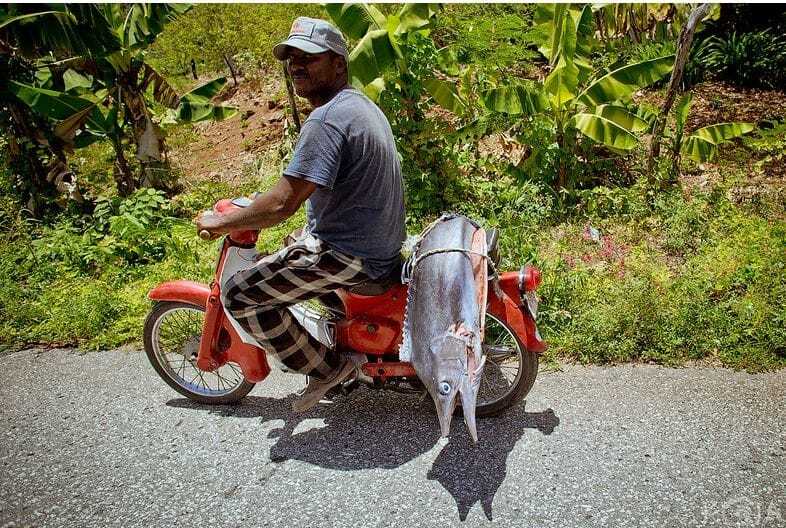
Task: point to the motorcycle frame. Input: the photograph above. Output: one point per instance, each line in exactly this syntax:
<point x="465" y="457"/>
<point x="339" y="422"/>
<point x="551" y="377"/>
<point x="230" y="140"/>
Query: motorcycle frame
<point x="373" y="324"/>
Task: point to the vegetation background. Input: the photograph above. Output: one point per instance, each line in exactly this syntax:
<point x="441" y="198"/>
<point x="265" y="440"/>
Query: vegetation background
<point x="679" y="262"/>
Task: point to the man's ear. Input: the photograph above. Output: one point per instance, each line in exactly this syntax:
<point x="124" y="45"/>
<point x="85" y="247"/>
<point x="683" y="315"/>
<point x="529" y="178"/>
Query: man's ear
<point x="341" y="65"/>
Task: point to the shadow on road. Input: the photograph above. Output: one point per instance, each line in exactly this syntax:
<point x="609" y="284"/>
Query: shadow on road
<point x="384" y="430"/>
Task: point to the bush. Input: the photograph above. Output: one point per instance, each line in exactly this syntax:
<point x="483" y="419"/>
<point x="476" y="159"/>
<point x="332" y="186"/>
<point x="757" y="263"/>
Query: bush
<point x="750" y="59"/>
<point x="722" y="300"/>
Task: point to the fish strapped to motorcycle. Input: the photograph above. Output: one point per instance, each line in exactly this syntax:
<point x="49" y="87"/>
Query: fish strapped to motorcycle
<point x="469" y="340"/>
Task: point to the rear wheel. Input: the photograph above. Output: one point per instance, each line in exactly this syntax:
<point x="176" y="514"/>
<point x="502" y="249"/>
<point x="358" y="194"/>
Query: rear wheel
<point x="509" y="372"/>
<point x="173" y="331"/>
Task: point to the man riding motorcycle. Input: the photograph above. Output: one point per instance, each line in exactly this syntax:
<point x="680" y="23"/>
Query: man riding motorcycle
<point x="346" y="168"/>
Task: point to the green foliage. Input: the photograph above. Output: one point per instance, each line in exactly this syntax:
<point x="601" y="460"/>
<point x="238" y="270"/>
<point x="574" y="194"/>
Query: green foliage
<point x="211" y="31"/>
<point x="755" y="59"/>
<point x="491" y="37"/>
<point x="716" y="293"/>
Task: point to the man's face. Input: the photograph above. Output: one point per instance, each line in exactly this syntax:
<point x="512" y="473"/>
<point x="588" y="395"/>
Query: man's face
<point x="313" y="74"/>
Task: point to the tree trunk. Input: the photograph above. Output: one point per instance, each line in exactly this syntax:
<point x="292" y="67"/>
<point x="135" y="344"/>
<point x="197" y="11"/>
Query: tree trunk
<point x="124" y="178"/>
<point x="231" y="66"/>
<point x="292" y="100"/>
<point x="683" y="50"/>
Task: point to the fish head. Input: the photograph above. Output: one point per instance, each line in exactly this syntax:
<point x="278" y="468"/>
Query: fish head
<point x="456" y="372"/>
<point x="448" y="369"/>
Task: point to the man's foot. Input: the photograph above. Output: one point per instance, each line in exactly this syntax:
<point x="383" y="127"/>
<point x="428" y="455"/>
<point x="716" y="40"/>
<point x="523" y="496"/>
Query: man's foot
<point x="317" y="388"/>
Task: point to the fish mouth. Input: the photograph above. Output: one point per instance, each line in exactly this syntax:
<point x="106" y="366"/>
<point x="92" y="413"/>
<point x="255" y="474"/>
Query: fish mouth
<point x="445" y="408"/>
<point x="469" y="399"/>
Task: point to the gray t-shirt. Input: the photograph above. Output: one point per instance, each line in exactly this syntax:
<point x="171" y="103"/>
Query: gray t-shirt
<point x="347" y="148"/>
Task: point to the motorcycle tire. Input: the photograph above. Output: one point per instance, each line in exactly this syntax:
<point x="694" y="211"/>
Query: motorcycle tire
<point x="189" y="328"/>
<point x="525" y="379"/>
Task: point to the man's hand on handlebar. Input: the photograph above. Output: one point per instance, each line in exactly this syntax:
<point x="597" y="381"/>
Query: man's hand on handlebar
<point x="210" y="226"/>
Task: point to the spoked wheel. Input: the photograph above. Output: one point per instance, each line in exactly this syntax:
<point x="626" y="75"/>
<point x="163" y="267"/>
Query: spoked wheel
<point x="173" y="331"/>
<point x="509" y="372"/>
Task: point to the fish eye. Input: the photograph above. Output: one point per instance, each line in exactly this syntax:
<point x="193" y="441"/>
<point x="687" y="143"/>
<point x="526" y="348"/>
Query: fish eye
<point x="444" y="388"/>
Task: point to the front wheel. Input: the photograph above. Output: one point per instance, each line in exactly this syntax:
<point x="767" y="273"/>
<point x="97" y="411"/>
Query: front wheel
<point x="173" y="331"/>
<point x="510" y="369"/>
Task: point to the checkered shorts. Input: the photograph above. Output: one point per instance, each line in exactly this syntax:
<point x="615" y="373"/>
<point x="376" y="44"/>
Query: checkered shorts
<point x="257" y="298"/>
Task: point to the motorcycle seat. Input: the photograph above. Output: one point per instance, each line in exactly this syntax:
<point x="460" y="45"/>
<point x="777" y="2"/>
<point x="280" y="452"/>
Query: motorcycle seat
<point x="378" y="286"/>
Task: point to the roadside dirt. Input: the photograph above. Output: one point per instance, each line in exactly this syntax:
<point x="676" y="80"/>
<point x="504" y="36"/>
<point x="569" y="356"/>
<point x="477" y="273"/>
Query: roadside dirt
<point x="223" y="149"/>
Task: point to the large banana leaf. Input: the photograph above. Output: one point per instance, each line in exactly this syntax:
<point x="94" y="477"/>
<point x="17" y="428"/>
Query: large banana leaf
<point x="620" y="84"/>
<point x="374" y="54"/>
<point x="566" y="49"/>
<point x="355" y="19"/>
<point x="605" y="131"/>
<point x="69" y="30"/>
<point x="415" y="16"/>
<point x="622" y="117"/>
<point x="446" y="95"/>
<point x="562" y="84"/>
<point x="717" y="134"/>
<point x="702" y="144"/>
<point x="514" y="100"/>
<point x="144" y="22"/>
<point x="58" y="106"/>
<point x="195" y="105"/>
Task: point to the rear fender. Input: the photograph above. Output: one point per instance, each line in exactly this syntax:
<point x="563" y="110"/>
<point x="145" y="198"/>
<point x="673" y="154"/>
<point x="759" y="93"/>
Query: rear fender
<point x="185" y="291"/>
<point x="519" y="319"/>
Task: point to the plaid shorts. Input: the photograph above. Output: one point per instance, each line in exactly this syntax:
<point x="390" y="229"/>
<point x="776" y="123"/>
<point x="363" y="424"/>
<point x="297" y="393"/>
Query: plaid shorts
<point x="257" y="298"/>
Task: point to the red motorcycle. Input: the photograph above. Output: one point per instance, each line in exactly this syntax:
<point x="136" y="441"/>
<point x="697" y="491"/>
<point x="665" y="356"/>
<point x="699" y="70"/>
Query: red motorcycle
<point x="204" y="354"/>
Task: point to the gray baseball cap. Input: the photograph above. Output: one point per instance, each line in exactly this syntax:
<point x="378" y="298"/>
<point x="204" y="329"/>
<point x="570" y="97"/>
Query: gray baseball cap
<point x="312" y="35"/>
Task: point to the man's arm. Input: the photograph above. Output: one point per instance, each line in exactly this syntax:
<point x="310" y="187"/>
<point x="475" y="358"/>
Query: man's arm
<point x="269" y="209"/>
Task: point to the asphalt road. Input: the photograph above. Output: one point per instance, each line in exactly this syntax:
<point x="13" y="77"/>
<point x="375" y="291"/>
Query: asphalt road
<point x="99" y="440"/>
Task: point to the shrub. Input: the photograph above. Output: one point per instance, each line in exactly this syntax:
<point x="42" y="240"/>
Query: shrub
<point x="755" y="59"/>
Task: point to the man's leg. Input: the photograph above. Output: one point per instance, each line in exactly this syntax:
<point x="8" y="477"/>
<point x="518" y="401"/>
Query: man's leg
<point x="257" y="298"/>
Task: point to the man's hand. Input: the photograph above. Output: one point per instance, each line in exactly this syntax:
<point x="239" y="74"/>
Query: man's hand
<point x="212" y="224"/>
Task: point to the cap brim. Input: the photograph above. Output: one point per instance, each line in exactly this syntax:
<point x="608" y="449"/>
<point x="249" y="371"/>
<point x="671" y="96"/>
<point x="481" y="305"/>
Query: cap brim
<point x="281" y="50"/>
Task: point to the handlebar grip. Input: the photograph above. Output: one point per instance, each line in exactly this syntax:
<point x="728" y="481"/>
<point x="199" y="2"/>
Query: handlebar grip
<point x="204" y="234"/>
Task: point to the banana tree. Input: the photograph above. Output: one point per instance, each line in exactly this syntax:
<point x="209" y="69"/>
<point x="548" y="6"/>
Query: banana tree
<point x="28" y="32"/>
<point x="575" y="102"/>
<point x="106" y="93"/>
<point x="379" y="40"/>
<point x="702" y="144"/>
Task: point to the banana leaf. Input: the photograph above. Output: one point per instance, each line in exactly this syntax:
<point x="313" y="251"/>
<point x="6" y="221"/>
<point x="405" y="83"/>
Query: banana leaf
<point x="604" y="131"/>
<point x="620" y="84"/>
<point x="622" y="117"/>
<point x="374" y="54"/>
<point x="144" y="22"/>
<point x="562" y="84"/>
<point x="415" y="16"/>
<point x="702" y="144"/>
<point x="58" y="106"/>
<point x="514" y="99"/>
<point x="355" y="19"/>
<point x="192" y="112"/>
<point x="196" y="106"/>
<point x="446" y="95"/>
<point x="374" y="89"/>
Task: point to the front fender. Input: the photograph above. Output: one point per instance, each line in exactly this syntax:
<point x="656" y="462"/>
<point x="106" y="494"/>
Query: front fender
<point x="518" y="318"/>
<point x="191" y="292"/>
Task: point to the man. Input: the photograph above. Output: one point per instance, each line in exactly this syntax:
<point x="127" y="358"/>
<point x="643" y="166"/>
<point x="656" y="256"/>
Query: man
<point x="345" y="166"/>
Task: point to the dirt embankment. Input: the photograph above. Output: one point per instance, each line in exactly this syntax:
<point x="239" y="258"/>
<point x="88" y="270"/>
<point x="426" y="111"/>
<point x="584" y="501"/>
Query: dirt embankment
<point x="221" y="150"/>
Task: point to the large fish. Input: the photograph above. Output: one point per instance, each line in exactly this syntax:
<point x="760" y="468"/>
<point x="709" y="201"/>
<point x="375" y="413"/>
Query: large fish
<point x="442" y="335"/>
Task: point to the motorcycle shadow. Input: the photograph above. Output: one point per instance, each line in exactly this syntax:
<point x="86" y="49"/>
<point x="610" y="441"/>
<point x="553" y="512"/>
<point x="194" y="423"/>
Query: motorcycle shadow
<point x="371" y="429"/>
